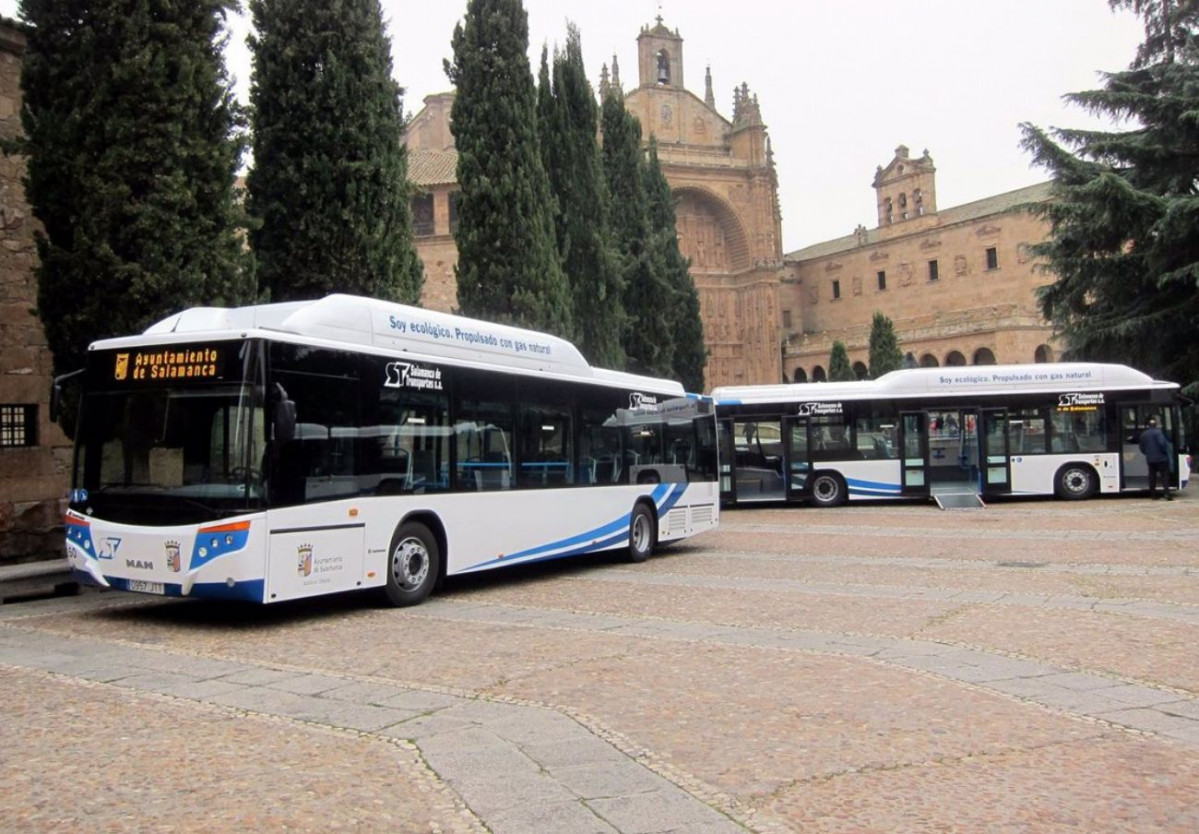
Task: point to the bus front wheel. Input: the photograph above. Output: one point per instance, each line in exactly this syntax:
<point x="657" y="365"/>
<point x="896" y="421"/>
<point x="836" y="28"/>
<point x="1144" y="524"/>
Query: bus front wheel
<point x="1076" y="481"/>
<point x="642" y="533"/>
<point x="413" y="566"/>
<point x="828" y="490"/>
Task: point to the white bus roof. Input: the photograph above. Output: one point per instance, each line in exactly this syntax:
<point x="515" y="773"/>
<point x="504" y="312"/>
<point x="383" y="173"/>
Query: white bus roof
<point x="357" y="321"/>
<point x="951" y="381"/>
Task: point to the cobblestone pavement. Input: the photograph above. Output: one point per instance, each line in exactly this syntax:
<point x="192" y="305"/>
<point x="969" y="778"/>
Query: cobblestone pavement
<point x="1027" y="667"/>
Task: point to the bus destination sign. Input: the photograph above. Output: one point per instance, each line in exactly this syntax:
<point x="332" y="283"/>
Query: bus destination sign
<point x="177" y="363"/>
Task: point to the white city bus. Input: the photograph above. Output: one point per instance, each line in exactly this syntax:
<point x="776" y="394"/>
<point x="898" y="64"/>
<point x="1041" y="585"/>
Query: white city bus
<point x="1068" y="429"/>
<point x="288" y="450"/>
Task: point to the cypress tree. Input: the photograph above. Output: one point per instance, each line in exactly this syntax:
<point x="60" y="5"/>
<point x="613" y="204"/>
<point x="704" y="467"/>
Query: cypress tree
<point x="885" y="355"/>
<point x="1124" y="221"/>
<point x="329" y="189"/>
<point x="686" y="326"/>
<point x="508" y="263"/>
<point x="839" y="369"/>
<point x="648" y="342"/>
<point x="569" y="120"/>
<point x="132" y="138"/>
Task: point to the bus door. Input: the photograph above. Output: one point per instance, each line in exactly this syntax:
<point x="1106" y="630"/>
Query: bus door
<point x="728" y="483"/>
<point x="993" y="451"/>
<point x="913" y="446"/>
<point x="796" y="453"/>
<point x="1134" y="419"/>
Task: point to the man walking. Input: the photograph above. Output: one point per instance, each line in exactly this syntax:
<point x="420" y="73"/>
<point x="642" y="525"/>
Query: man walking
<point x="1156" y="450"/>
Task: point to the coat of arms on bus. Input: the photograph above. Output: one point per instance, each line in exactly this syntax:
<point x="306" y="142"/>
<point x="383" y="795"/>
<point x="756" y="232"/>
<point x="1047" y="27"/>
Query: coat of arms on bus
<point x="122" y="368"/>
<point x="411" y="375"/>
<point x="304" y="560"/>
<point x="174" y="562"/>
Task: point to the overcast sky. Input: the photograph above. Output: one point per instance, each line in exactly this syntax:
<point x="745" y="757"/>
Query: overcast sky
<point x="840" y="84"/>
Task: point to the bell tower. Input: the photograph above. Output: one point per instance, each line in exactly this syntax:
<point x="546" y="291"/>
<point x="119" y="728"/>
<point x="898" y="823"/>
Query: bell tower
<point x="659" y="57"/>
<point x="906" y="189"/>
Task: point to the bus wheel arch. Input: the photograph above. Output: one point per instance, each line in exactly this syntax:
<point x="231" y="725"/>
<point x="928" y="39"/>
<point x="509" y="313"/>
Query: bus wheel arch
<point x="643" y="531"/>
<point x="415" y="559"/>
<point x="828" y="489"/>
<point x="1075" y="481"/>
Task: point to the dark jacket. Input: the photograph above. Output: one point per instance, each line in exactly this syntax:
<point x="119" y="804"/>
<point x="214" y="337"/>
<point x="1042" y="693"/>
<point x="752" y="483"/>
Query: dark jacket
<point x="1154" y="445"/>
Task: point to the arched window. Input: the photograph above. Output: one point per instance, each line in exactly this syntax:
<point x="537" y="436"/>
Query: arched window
<point x="955" y="359"/>
<point x="1044" y="353"/>
<point x="860" y="370"/>
<point x="984" y="356"/>
<point x="818" y="374"/>
<point x="929" y="361"/>
<point x="800" y="375"/>
<point x="663" y="67"/>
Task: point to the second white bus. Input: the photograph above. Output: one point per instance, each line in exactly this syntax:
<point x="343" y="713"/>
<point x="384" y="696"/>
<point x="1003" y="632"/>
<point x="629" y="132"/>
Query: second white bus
<point x="1068" y="429"/>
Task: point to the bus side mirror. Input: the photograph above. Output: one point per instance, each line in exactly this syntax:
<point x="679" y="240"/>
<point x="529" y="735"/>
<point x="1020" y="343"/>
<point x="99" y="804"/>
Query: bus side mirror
<point x="285" y="415"/>
<point x="56" y="393"/>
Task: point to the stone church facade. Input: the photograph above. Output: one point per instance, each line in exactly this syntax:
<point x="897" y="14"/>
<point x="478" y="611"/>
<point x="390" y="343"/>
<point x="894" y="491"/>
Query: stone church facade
<point x="722" y="172"/>
<point x="957" y="283"/>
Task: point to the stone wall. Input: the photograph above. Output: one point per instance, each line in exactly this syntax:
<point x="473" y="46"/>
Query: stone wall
<point x="981" y="297"/>
<point x="33" y="479"/>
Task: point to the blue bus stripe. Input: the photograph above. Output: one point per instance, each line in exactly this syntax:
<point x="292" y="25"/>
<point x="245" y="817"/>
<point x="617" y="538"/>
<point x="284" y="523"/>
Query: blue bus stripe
<point x="664" y="497"/>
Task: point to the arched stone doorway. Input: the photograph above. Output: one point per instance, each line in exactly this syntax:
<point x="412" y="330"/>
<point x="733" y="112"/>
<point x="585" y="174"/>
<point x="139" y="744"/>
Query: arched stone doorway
<point x="818" y="374"/>
<point x="984" y="356"/>
<point x="955" y="359"/>
<point x="710" y="233"/>
<point x="929" y="361"/>
<point x="860" y="370"/>
<point x="1043" y="353"/>
<point x="800" y="375"/>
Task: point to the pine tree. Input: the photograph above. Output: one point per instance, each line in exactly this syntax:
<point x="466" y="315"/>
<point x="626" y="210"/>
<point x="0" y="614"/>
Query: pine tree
<point x="885" y="355"/>
<point x="686" y="326"/>
<point x="839" y="369"/>
<point x="508" y="262"/>
<point x="132" y="138"/>
<point x="569" y="118"/>
<point x="329" y="189"/>
<point x="1124" y="221"/>
<point x="648" y="337"/>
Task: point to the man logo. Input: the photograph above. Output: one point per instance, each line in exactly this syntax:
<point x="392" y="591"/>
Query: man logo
<point x="174" y="560"/>
<point x="122" y="369"/>
<point x="397" y="374"/>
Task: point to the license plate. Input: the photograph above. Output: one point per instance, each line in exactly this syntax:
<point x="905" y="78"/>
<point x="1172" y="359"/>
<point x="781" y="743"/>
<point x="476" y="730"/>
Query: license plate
<point x="141" y="586"/>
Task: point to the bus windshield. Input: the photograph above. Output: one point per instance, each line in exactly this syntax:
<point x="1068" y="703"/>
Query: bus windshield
<point x="174" y="451"/>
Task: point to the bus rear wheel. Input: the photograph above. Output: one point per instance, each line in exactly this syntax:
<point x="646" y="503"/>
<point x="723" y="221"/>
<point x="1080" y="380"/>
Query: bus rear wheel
<point x="413" y="564"/>
<point x="828" y="490"/>
<point x="642" y="533"/>
<point x="1075" y="481"/>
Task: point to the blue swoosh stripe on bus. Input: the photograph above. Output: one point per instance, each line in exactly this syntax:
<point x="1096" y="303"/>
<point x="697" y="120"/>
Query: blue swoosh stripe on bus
<point x="663" y="497"/>
<point x="871" y="486"/>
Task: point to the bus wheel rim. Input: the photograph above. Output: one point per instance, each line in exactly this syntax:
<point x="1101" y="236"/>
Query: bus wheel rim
<point x="640" y="532"/>
<point x="410" y="563"/>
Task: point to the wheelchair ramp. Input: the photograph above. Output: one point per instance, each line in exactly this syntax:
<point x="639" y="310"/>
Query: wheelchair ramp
<point x="959" y="501"/>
